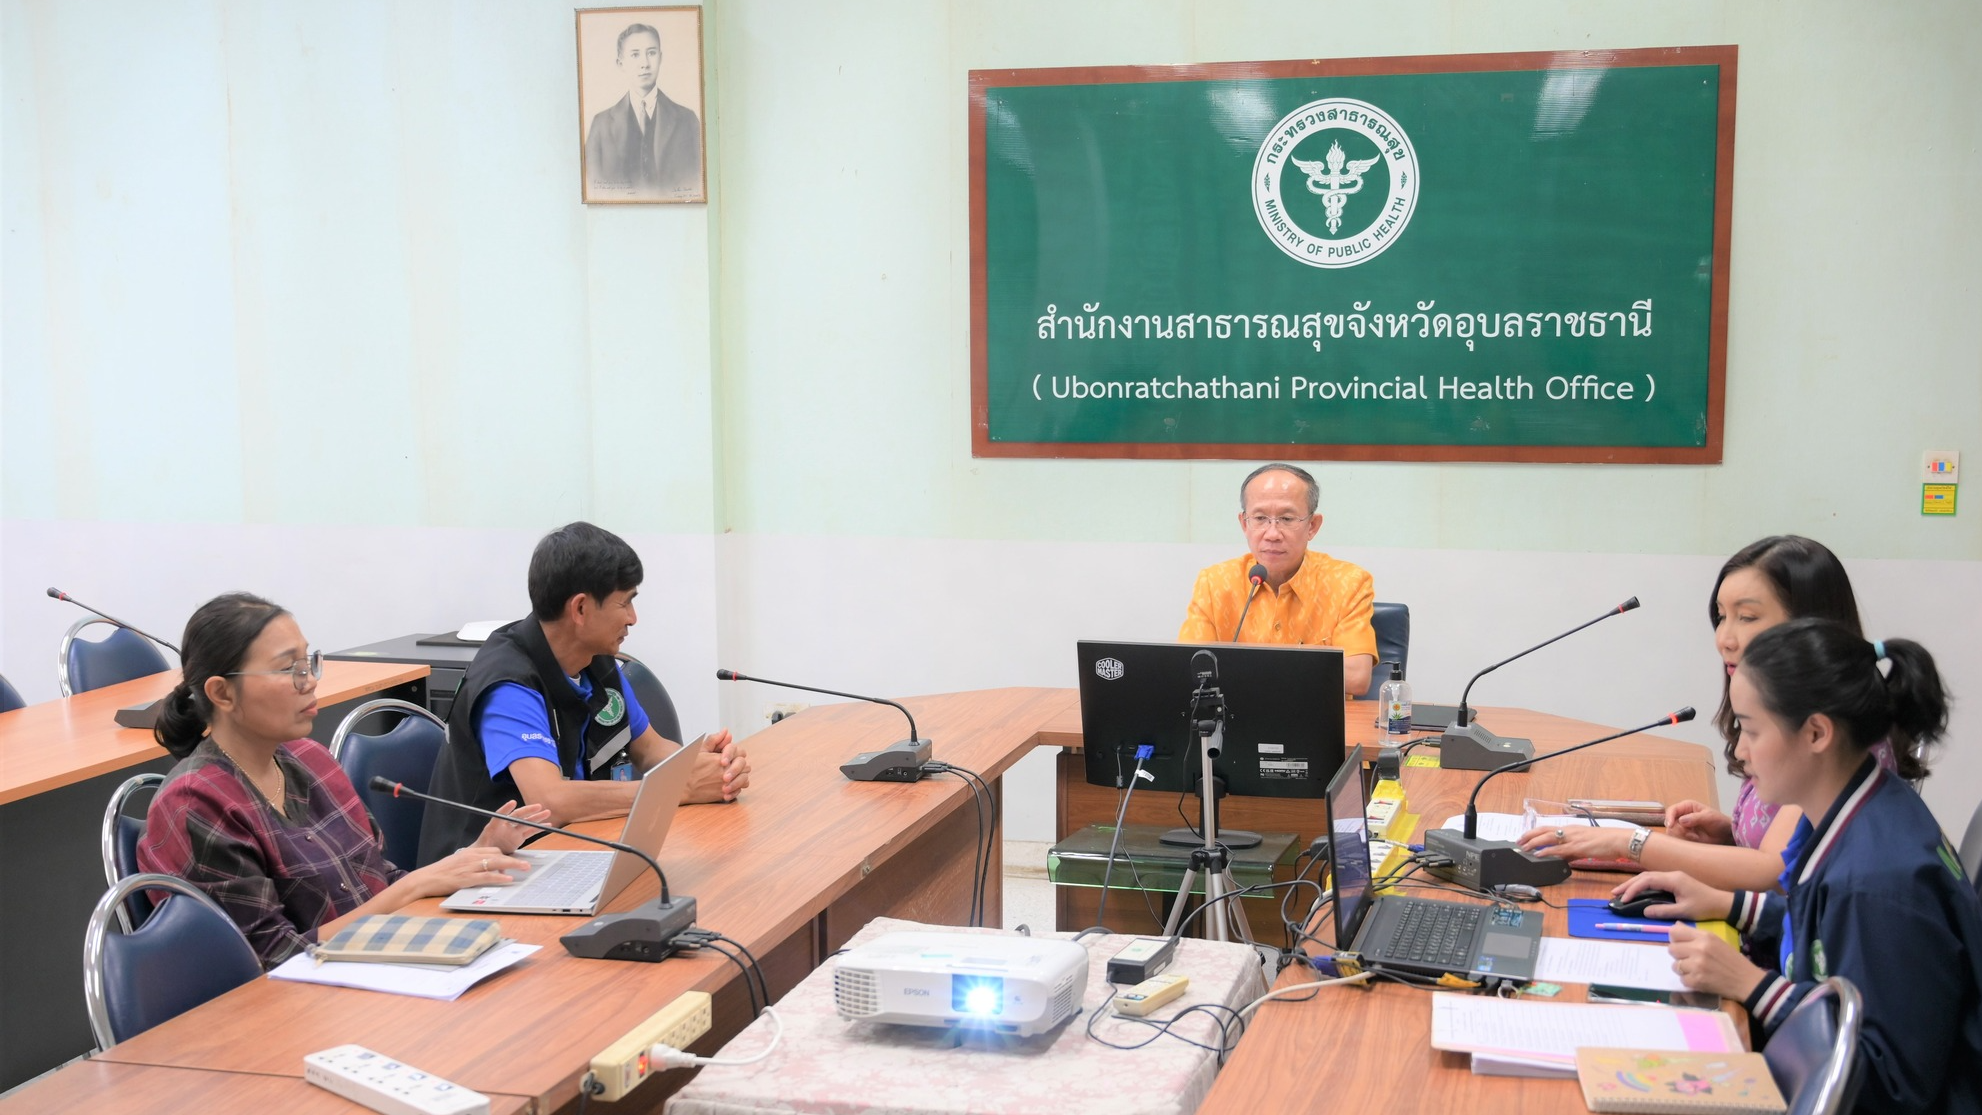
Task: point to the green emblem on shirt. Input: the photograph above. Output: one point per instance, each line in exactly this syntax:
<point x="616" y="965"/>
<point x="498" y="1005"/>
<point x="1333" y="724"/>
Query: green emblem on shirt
<point x="1817" y="966"/>
<point x="1948" y="857"/>
<point x="615" y="709"/>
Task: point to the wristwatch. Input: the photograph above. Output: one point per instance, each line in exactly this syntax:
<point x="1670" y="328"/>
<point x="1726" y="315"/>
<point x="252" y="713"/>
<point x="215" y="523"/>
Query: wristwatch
<point x="1636" y="849"/>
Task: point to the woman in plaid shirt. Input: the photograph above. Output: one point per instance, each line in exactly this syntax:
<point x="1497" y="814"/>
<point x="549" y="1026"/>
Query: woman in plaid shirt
<point x="260" y="817"/>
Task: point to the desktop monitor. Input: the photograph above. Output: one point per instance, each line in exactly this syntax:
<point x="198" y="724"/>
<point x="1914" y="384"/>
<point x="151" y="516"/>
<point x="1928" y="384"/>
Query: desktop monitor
<point x="1283" y="716"/>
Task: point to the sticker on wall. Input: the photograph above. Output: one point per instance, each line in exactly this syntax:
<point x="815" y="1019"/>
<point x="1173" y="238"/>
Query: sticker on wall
<point x="1937" y="499"/>
<point x="1940" y="466"/>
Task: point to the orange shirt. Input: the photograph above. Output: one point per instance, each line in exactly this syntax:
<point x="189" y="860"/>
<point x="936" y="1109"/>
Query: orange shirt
<point x="1325" y="603"/>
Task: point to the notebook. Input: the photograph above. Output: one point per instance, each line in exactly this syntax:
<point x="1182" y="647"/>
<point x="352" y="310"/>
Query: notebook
<point x="1632" y="1080"/>
<point x="1419" y="936"/>
<point x="582" y="882"/>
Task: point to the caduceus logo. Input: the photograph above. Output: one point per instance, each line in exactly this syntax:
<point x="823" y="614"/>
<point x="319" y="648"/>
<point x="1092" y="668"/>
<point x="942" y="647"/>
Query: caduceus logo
<point x="1327" y="179"/>
<point x="1356" y="160"/>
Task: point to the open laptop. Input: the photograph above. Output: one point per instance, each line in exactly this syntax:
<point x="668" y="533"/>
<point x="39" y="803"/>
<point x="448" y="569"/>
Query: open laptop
<point x="1420" y="936"/>
<point x="582" y="882"/>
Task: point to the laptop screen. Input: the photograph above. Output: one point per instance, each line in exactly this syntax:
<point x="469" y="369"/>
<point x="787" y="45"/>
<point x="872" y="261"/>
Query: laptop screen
<point x="1349" y="848"/>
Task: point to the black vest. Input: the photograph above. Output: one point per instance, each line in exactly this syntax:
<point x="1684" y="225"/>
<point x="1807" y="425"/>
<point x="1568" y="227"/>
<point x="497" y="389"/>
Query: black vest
<point x="592" y="732"/>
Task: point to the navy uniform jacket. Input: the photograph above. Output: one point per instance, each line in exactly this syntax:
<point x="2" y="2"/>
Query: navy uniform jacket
<point x="1876" y="895"/>
<point x="661" y="162"/>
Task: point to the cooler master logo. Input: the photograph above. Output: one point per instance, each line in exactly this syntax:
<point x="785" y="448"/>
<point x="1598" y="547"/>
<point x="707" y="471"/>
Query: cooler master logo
<point x="1108" y="669"/>
<point x="1335" y="182"/>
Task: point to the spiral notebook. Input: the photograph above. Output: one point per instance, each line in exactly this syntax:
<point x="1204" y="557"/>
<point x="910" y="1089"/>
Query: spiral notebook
<point x="1633" y="1080"/>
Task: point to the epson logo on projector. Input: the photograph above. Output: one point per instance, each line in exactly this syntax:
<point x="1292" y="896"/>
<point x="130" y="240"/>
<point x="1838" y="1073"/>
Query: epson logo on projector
<point x="915" y="991"/>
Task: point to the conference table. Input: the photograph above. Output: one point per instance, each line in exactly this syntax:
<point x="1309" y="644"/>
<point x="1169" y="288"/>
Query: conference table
<point x="804" y="860"/>
<point x="60" y="761"/>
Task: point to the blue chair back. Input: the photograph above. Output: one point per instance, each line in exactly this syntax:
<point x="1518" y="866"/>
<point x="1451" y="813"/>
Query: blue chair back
<point x="121" y="657"/>
<point x="1813" y="1055"/>
<point x="1393" y="643"/>
<point x="10" y="697"/>
<point x="653" y="697"/>
<point x="406" y="753"/>
<point x="187" y="952"/>
<point x="121" y="833"/>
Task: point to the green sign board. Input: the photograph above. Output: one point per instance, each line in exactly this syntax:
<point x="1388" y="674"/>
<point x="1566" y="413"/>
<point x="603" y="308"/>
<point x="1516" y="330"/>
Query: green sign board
<point x="1486" y="257"/>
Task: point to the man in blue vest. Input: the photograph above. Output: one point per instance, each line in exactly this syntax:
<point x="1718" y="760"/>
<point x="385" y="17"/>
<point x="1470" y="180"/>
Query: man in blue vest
<point x="545" y="715"/>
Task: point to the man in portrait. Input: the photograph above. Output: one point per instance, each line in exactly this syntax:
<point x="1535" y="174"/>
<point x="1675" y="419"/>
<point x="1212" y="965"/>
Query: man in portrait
<point x="645" y="142"/>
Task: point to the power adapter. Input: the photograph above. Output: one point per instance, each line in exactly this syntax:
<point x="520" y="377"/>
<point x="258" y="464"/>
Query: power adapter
<point x="1140" y="959"/>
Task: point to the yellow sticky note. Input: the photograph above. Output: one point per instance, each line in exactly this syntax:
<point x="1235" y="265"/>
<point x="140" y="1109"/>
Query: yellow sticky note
<point x="1937" y="499"/>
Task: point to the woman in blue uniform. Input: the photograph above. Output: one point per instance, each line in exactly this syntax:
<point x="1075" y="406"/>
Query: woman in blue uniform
<point x="1873" y="892"/>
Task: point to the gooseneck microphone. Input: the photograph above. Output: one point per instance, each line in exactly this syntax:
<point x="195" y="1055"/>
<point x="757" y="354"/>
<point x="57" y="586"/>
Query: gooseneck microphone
<point x="64" y="597"/>
<point x="1466" y="745"/>
<point x="1256" y="575"/>
<point x="1483" y="864"/>
<point x="898" y="762"/>
<point x="645" y="932"/>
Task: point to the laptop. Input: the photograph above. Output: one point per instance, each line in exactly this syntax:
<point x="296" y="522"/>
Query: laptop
<point x="1425" y="937"/>
<point x="582" y="882"/>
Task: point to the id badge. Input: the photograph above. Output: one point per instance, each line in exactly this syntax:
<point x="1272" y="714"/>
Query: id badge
<point x="622" y="771"/>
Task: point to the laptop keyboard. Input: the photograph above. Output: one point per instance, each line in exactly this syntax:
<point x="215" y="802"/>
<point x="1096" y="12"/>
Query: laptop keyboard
<point x="570" y="881"/>
<point x="1438" y="934"/>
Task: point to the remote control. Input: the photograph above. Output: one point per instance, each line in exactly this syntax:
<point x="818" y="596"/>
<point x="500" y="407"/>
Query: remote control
<point x="386" y="1085"/>
<point x="1151" y="993"/>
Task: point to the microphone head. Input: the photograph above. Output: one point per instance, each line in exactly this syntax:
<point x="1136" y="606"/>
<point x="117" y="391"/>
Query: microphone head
<point x="1628" y="605"/>
<point x="725" y="675"/>
<point x="383" y="784"/>
<point x="1257" y="575"/>
<point x="1683" y="715"/>
<point x="56" y="593"/>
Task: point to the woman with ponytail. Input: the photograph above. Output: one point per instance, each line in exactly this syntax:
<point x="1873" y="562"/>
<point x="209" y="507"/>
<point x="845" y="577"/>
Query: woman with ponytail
<point x="1875" y="893"/>
<point x="262" y="818"/>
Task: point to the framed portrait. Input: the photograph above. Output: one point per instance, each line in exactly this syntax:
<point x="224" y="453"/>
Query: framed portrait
<point x="640" y="106"/>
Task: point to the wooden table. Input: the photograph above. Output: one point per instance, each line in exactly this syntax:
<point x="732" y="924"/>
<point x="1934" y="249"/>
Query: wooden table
<point x="1369" y="1048"/>
<point x="59" y="763"/>
<point x="792" y="871"/>
<point x="104" y="1088"/>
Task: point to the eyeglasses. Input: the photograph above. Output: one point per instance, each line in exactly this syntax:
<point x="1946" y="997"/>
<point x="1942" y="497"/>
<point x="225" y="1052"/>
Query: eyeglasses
<point x="1287" y="523"/>
<point x="305" y="671"/>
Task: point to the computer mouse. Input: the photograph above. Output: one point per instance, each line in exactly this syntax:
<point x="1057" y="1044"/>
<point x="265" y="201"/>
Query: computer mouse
<point x="1635" y="907"/>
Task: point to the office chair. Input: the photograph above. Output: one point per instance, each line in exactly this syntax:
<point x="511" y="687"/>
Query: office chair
<point x="121" y="833"/>
<point x="10" y="697"/>
<point x="81" y="665"/>
<point x="653" y="697"/>
<point x="1813" y="1055"/>
<point x="404" y="753"/>
<point x="1393" y="643"/>
<point x="1971" y="848"/>
<point x="186" y="952"/>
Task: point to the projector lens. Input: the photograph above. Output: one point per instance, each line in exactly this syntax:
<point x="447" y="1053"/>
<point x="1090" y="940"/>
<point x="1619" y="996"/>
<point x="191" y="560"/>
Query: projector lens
<point x="979" y="996"/>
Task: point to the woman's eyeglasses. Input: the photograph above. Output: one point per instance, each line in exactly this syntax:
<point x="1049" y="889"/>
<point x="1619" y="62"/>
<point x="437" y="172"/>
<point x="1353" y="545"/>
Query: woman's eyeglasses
<point x="306" y="670"/>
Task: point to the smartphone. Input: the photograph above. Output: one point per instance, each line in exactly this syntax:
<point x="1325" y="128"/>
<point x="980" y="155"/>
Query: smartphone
<point x="1606" y="993"/>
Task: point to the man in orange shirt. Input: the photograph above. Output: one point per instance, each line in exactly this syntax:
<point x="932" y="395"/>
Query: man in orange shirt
<point x="1308" y="599"/>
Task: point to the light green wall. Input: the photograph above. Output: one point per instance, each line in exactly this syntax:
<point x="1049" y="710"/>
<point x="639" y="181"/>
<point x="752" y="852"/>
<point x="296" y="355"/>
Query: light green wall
<point x="845" y="281"/>
<point x="326" y="263"/>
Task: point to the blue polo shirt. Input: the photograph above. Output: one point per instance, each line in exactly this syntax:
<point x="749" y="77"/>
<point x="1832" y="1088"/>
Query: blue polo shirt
<point x="514" y="722"/>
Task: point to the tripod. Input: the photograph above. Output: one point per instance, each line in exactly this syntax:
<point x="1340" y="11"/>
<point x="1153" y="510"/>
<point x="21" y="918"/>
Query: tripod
<point x="1224" y="920"/>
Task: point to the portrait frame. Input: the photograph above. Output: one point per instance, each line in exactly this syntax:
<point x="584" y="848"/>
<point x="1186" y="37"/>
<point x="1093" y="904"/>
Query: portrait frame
<point x="640" y="153"/>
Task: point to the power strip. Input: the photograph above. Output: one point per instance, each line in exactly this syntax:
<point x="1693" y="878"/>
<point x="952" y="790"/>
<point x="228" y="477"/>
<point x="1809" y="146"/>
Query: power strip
<point x="383" y="1084"/>
<point x="624" y="1063"/>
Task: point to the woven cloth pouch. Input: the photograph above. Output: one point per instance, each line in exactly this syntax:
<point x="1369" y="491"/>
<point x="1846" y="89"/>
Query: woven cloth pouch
<point x="403" y="939"/>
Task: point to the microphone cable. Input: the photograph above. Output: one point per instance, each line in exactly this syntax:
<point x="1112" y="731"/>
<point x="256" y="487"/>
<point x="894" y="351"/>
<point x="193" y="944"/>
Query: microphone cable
<point x="981" y="797"/>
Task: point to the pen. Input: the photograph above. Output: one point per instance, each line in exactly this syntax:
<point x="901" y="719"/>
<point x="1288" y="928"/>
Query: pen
<point x="1633" y="927"/>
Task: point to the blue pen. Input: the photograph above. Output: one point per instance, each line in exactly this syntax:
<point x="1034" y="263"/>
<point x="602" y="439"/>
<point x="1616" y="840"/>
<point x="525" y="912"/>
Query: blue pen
<point x="1633" y="927"/>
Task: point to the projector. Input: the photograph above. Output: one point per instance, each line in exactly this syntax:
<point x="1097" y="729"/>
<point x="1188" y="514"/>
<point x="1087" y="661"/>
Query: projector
<point x="1008" y="985"/>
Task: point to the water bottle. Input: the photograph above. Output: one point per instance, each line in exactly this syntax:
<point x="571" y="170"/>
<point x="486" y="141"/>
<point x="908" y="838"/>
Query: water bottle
<point x="1395" y="697"/>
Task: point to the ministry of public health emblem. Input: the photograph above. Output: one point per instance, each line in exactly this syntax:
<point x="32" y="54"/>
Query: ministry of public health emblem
<point x="1109" y="669"/>
<point x="1335" y="182"/>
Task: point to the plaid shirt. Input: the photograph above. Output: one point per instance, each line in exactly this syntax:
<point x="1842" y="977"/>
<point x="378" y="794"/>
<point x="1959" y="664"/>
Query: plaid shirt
<point x="279" y="877"/>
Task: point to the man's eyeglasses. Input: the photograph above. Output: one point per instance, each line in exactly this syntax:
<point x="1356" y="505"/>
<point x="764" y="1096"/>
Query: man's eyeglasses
<point x="1286" y="523"/>
<point x="305" y="671"/>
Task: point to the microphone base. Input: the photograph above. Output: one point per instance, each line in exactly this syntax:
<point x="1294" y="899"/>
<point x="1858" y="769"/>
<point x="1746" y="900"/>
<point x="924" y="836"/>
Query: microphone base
<point x="900" y="762"/>
<point x="140" y="716"/>
<point x="1485" y="864"/>
<point x="1474" y="748"/>
<point x="644" y="933"/>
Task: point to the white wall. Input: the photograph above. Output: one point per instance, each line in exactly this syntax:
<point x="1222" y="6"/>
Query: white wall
<point x="324" y="318"/>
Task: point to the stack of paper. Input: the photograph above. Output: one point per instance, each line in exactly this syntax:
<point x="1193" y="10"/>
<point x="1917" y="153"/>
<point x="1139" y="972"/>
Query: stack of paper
<point x="425" y="981"/>
<point x="1517" y="1037"/>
